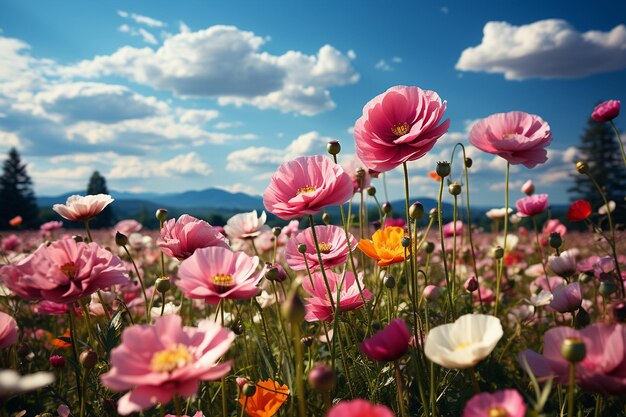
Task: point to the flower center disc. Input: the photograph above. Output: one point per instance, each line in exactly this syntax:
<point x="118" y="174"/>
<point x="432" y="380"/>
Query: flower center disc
<point x="222" y="281"/>
<point x="325" y="247"/>
<point x="498" y="412"/>
<point x="462" y="346"/>
<point x="69" y="269"/>
<point x="169" y="360"/>
<point x="400" y="129"/>
<point x="306" y="189"/>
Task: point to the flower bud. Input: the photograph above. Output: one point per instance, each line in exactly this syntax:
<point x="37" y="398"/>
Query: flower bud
<point x="555" y="240"/>
<point x="307" y="341"/>
<point x="471" y="284"/>
<point x="326" y="218"/>
<point x="573" y="349"/>
<point x="88" y="358"/>
<point x="468" y="162"/>
<point x="293" y="308"/>
<point x="431" y="292"/>
<point x="248" y="389"/>
<point x="389" y="281"/>
<point x="528" y="188"/>
<point x="416" y="211"/>
<point x="619" y="312"/>
<point x="301" y="248"/>
<point x="276" y="231"/>
<point x="430" y="247"/>
<point x="241" y="381"/>
<point x="57" y="361"/>
<point x="406" y="241"/>
<point x="360" y="173"/>
<point x="443" y="169"/>
<point x="237" y="328"/>
<point x="371" y="191"/>
<point x="497" y="252"/>
<point x="432" y="213"/>
<point x="121" y="239"/>
<point x="161" y="215"/>
<point x="607" y="288"/>
<point x="376" y="325"/>
<point x="162" y="284"/>
<point x="454" y="188"/>
<point x="275" y="272"/>
<point x="333" y="147"/>
<point x="387" y="207"/>
<point x="582" y="318"/>
<point x="582" y="167"/>
<point x="322" y="378"/>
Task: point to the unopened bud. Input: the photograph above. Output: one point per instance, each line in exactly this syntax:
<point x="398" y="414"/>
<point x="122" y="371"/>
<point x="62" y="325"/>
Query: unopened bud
<point x="582" y="167"/>
<point x="468" y="162"/>
<point x="405" y="241"/>
<point x="389" y="281"/>
<point x="431" y="292"/>
<point x="443" y="169"/>
<point x="333" y="147"/>
<point x="275" y="272"/>
<point x="237" y="328"/>
<point x="360" y="173"/>
<point x="497" y="252"/>
<point x="454" y="188"/>
<point x="121" y="239"/>
<point x="307" y="341"/>
<point x="528" y="188"/>
<point x="582" y="318"/>
<point x="607" y="288"/>
<point x="573" y="349"/>
<point x="162" y="284"/>
<point x="416" y="211"/>
<point x="432" y="213"/>
<point x="88" y="358"/>
<point x="241" y="381"/>
<point x="322" y="378"/>
<point x="326" y="218"/>
<point x="248" y="390"/>
<point x="161" y="215"/>
<point x="387" y="207"/>
<point x="57" y="361"/>
<point x="471" y="284"/>
<point x="301" y="248"/>
<point x="276" y="231"/>
<point x="430" y="247"/>
<point x="371" y="191"/>
<point x="555" y="240"/>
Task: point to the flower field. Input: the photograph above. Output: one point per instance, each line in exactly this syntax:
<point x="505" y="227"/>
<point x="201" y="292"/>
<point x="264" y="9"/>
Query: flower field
<point x="382" y="311"/>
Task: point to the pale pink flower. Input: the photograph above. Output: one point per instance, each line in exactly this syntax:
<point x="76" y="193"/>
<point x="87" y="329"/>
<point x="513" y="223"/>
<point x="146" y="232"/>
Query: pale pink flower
<point x="532" y="205"/>
<point x="528" y="187"/>
<point x="506" y="402"/>
<point x="79" y="208"/>
<point x="216" y="273"/>
<point x="198" y="414"/>
<point x="305" y="186"/>
<point x="180" y="238"/>
<point x="332" y="243"/>
<point x="449" y="229"/>
<point x="64" y="272"/>
<point x="246" y="225"/>
<point x="606" y="111"/>
<point x="604" y="368"/>
<point x="567" y="298"/>
<point x="541" y="283"/>
<point x="318" y="306"/>
<point x="564" y="265"/>
<point x="359" y="407"/>
<point x="388" y="344"/>
<point x="400" y="125"/>
<point x="127" y="227"/>
<point x="518" y="137"/>
<point x="51" y="226"/>
<point x="159" y="361"/>
<point x="9" y="332"/>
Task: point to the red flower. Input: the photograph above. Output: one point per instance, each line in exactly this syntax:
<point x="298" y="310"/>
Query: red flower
<point x="578" y="211"/>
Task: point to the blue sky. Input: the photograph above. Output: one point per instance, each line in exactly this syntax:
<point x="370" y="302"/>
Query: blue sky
<point x="167" y="96"/>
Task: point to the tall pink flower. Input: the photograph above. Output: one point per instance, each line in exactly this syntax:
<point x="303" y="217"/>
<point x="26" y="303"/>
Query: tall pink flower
<point x="399" y="125"/>
<point x="180" y="238"/>
<point x="159" y="361"/>
<point x="318" y="306"/>
<point x="64" y="272"/>
<point x="333" y="248"/>
<point x="604" y="368"/>
<point x="506" y="402"/>
<point x="389" y="344"/>
<point x="532" y="205"/>
<point x="305" y="186"/>
<point x="359" y="407"/>
<point x="606" y="111"/>
<point x="9" y="332"/>
<point x="216" y="273"/>
<point x="518" y="137"/>
<point x="79" y="208"/>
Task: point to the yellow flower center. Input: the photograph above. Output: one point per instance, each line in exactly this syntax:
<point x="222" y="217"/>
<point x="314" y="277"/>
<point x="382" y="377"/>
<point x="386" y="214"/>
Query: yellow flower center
<point x="498" y="412"/>
<point x="69" y="269"/>
<point x="169" y="360"/>
<point x="223" y="280"/>
<point x="462" y="346"/>
<point x="400" y="129"/>
<point x="325" y="247"/>
<point x="306" y="189"/>
<point x="508" y="135"/>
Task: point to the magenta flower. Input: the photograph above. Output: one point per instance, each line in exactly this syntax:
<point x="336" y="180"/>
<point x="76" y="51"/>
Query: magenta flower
<point x="604" y="368"/>
<point x="332" y="243"/>
<point x="10" y="243"/>
<point x="180" y="238"/>
<point x="9" y="332"/>
<point x="606" y="111"/>
<point x="79" y="208"/>
<point x="159" y="361"/>
<point x="532" y="205"/>
<point x="359" y="407"/>
<point x="449" y="229"/>
<point x="215" y="273"/>
<point x="506" y="402"/>
<point x="518" y="137"/>
<point x="305" y="186"/>
<point x="398" y="126"/>
<point x="567" y="298"/>
<point x="64" y="272"/>
<point x="389" y="344"/>
<point x="318" y="306"/>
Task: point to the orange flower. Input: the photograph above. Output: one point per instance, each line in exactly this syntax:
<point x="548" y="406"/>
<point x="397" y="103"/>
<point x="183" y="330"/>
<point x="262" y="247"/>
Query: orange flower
<point x="385" y="246"/>
<point x="433" y="175"/>
<point x="61" y="344"/>
<point x="15" y="221"/>
<point x="267" y="399"/>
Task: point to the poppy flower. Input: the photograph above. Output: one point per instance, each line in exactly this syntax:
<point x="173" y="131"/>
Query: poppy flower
<point x="385" y="246"/>
<point x="62" y="344"/>
<point x="389" y="344"/>
<point x="267" y="399"/>
<point x="532" y="205"/>
<point x="80" y="208"/>
<point x="16" y="221"/>
<point x="506" y="402"/>
<point x="606" y="111"/>
<point x="359" y="407"/>
<point x="434" y="175"/>
<point x="578" y="211"/>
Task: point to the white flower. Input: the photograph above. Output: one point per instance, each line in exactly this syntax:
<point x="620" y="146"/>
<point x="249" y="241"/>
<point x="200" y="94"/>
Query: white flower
<point x="603" y="210"/>
<point x="511" y="242"/>
<point x="514" y="219"/>
<point x="542" y="299"/>
<point x="464" y="343"/>
<point x="12" y="382"/>
<point x="563" y="265"/>
<point x="79" y="208"/>
<point x="246" y="225"/>
<point x="170" y="308"/>
<point x="498" y="214"/>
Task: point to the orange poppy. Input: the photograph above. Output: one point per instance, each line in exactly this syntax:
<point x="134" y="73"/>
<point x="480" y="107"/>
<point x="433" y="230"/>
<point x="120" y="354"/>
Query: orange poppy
<point x="61" y="344"/>
<point x="267" y="399"/>
<point x="385" y="246"/>
<point x="16" y="221"/>
<point x="434" y="175"/>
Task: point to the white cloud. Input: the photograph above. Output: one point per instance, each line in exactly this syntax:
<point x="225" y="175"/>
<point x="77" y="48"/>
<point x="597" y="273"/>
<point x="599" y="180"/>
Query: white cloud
<point x="189" y="164"/>
<point x="142" y="20"/>
<point x="146" y="36"/>
<point x="351" y="54"/>
<point x="197" y="116"/>
<point x="227" y="125"/>
<point x="396" y="59"/>
<point x="550" y="48"/>
<point x="383" y="66"/>
<point x="241" y="188"/>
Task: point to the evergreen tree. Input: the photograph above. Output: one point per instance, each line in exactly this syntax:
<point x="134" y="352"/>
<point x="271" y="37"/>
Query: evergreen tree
<point x="17" y="197"/>
<point x="98" y="185"/>
<point x="600" y="150"/>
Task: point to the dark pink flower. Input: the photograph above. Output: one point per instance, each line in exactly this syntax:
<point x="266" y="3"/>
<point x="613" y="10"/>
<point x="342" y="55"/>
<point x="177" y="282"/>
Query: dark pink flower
<point x="532" y="205"/>
<point x="49" y="307"/>
<point x="398" y="126"/>
<point x="305" y="186"/>
<point x="518" y="137"/>
<point x="333" y="248"/>
<point x="359" y="407"/>
<point x="9" y="332"/>
<point x="391" y="222"/>
<point x="159" y="361"/>
<point x="604" y="368"/>
<point x="606" y="111"/>
<point x="79" y="208"/>
<point x="449" y="229"/>
<point x="506" y="402"/>
<point x="389" y="344"/>
<point x="180" y="238"/>
<point x="64" y="272"/>
<point x="318" y="306"/>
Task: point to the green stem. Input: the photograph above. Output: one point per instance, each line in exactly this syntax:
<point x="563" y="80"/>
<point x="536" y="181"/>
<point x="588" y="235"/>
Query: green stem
<point x="321" y="262"/>
<point x="443" y="249"/>
<point x="619" y="141"/>
<point x="472" y="374"/>
<point x="570" y="390"/>
<point x="83" y="393"/>
<point x="177" y="406"/>
<point x="541" y="254"/>
<point x="223" y="379"/>
<point x="299" y="371"/>
<point x="506" y="215"/>
<point x="75" y="349"/>
<point x="408" y="217"/>
<point x="399" y="385"/>
<point x="143" y="288"/>
<point x="88" y="230"/>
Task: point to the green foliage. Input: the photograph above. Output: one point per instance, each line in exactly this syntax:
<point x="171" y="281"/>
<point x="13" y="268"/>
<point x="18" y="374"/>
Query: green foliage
<point x="17" y="197"/>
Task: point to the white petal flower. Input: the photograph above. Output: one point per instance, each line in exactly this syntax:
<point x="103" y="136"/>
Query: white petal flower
<point x="464" y="343"/>
<point x="170" y="308"/>
<point x="603" y="210"/>
<point x="563" y="265"/>
<point x="12" y="382"/>
<point x="246" y="225"/>
<point x="498" y="213"/>
<point x="79" y="208"/>
<point x="542" y="299"/>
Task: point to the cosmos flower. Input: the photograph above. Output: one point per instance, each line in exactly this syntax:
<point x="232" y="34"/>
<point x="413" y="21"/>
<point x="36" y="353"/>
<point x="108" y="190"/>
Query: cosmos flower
<point x="503" y="403"/>
<point x="388" y="344"/>
<point x="79" y="208"/>
<point x="318" y="306"/>
<point x="180" y="238"/>
<point x="332" y="243"/>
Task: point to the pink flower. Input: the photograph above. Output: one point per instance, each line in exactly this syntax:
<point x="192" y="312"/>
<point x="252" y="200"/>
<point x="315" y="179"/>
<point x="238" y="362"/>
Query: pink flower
<point x="10" y="243"/>
<point x="319" y="307"/>
<point x="159" y="361"/>
<point x="359" y="407"/>
<point x="606" y="111"/>
<point x="82" y="208"/>
<point x="246" y="225"/>
<point x="567" y="298"/>
<point x="49" y="307"/>
<point x="215" y="273"/>
<point x="198" y="414"/>
<point x="332" y="244"/>
<point x="9" y="332"/>
<point x="51" y="226"/>
<point x="528" y="187"/>
<point x="604" y="368"/>
<point x="64" y="272"/>
<point x="126" y="227"/>
<point x="449" y="229"/>
<point x="389" y="344"/>
<point x="506" y="402"/>
<point x="398" y="126"/>
<point x="532" y="205"/>
<point x="552" y="226"/>
<point x="391" y="222"/>
<point x="179" y="239"/>
<point x="518" y="137"/>
<point x="305" y="186"/>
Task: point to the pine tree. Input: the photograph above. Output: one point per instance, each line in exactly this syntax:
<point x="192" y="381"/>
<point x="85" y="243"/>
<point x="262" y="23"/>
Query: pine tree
<point x="98" y="185"/>
<point x="600" y="150"/>
<point x="17" y="197"/>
